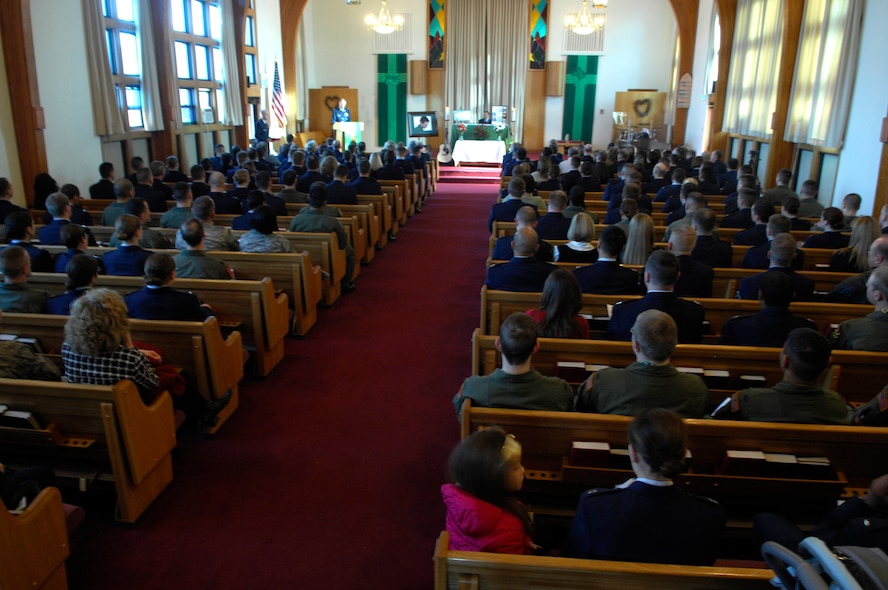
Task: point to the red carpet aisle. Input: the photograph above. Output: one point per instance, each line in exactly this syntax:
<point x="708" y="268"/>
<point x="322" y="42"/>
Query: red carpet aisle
<point x="328" y="474"/>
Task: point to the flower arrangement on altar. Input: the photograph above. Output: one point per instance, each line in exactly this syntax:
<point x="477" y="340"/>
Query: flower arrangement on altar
<point x="461" y="128"/>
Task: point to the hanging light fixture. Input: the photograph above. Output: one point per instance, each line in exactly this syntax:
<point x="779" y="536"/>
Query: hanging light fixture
<point x="383" y="23"/>
<point x="584" y="23"/>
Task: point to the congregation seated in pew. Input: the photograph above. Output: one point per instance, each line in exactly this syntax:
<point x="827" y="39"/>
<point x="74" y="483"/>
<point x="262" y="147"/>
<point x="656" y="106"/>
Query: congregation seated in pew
<point x="483" y="512"/>
<point x="758" y="256"/>
<point x="651" y="381"/>
<point x="82" y="273"/>
<point x="647" y="519"/>
<point x="524" y="217"/>
<point x="184" y="197"/>
<point x="799" y="397"/>
<point x="517" y="384"/>
<point x="15" y="293"/>
<point x="854" y="257"/>
<point x="262" y="237"/>
<point x="157" y="300"/>
<point x="660" y="273"/>
<point x="129" y="258"/>
<point x="832" y="222"/>
<point x="853" y="289"/>
<point x="192" y="261"/>
<point x="19" y="232"/>
<point x="870" y="332"/>
<point x="560" y="303"/>
<point x="149" y="238"/>
<point x="773" y="323"/>
<point x="694" y="278"/>
<point x="781" y="254"/>
<point x="524" y="271"/>
<point x="579" y="247"/>
<point x="606" y="275"/>
<point x="216" y="237"/>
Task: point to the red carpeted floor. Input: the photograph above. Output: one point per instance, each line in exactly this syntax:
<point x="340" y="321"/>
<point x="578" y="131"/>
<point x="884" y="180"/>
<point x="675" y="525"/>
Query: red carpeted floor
<point x="327" y="476"/>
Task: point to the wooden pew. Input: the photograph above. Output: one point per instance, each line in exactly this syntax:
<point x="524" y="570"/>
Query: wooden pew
<point x="95" y="434"/>
<point x="292" y="273"/>
<point x="496" y="306"/>
<point x="551" y="481"/>
<point x="213" y="364"/>
<point x="400" y="201"/>
<point x="261" y="316"/>
<point x="857" y="375"/>
<point x="323" y="248"/>
<point x="34" y="545"/>
<point x="465" y="570"/>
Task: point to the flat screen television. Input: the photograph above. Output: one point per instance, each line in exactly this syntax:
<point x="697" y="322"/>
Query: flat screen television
<point x="422" y="124"/>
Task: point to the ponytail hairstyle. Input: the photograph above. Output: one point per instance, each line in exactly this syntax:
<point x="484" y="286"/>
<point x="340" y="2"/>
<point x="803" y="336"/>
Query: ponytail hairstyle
<point x="659" y="436"/>
<point x="478" y="465"/>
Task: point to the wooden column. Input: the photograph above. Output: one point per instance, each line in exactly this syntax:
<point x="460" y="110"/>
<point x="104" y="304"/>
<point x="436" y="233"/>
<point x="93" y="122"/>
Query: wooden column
<point x="882" y="183"/>
<point x="291" y="16"/>
<point x="686" y="19"/>
<point x="727" y="17"/>
<point x="241" y="133"/>
<point x="21" y="72"/>
<point x="163" y="143"/>
<point x="781" y="152"/>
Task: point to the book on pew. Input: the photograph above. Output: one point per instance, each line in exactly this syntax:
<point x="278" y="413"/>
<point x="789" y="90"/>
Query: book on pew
<point x="8" y="337"/>
<point x="571" y="371"/>
<point x="752" y="381"/>
<point x="595" y="368"/>
<point x="744" y="463"/>
<point x="815" y="468"/>
<point x="716" y="379"/>
<point x="780" y="465"/>
<point x="698" y="371"/>
<point x="589" y="454"/>
<point x="619" y="459"/>
<point x="32" y="343"/>
<point x="19" y="419"/>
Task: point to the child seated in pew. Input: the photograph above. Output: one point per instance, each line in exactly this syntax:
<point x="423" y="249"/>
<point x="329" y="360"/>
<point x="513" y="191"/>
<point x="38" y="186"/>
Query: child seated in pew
<point x="482" y="511"/>
<point x="560" y="303"/>
<point x="647" y="518"/>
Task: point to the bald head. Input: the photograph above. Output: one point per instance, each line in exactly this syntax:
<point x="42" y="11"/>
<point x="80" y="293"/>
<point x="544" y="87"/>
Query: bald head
<point x="525" y="217"/>
<point x="878" y="252"/>
<point x="217" y="182"/>
<point x="525" y="242"/>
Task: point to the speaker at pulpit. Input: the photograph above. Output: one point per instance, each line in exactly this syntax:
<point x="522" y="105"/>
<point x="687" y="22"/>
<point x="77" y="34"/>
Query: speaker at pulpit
<point x="347" y="132"/>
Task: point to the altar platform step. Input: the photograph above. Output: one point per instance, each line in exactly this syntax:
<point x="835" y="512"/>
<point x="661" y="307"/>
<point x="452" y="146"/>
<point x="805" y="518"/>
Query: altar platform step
<point x="470" y="173"/>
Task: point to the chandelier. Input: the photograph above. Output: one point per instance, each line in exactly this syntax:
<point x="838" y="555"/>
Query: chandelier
<point x="383" y="23"/>
<point x="585" y="23"/>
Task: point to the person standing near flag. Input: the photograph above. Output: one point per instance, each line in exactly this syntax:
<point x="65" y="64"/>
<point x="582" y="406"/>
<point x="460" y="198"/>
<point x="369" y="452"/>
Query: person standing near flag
<point x="262" y="127"/>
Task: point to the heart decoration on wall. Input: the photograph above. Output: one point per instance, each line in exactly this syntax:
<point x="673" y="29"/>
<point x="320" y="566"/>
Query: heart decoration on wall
<point x="642" y="107"/>
<point x="332" y="102"/>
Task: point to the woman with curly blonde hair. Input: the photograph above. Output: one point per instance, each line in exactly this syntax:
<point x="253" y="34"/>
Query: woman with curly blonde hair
<point x="98" y="349"/>
<point x="640" y="242"/>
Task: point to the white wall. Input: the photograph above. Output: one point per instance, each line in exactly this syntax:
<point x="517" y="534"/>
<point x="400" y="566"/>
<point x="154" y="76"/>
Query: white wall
<point x="10" y="166"/>
<point x="73" y="151"/>
<point x="699" y="110"/>
<point x="341" y="51"/>
<point x="859" y="160"/>
<point x="268" y="33"/>
<point x="638" y="45"/>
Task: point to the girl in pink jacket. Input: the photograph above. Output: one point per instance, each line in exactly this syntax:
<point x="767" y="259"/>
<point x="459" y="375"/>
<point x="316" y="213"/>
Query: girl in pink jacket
<point x="482" y="511"/>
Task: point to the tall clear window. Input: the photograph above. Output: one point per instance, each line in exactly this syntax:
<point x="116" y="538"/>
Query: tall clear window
<point x="121" y="38"/>
<point x="197" y="31"/>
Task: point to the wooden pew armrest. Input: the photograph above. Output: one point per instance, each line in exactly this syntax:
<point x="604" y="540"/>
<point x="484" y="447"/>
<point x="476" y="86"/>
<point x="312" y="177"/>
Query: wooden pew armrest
<point x="148" y="432"/>
<point x="34" y="544"/>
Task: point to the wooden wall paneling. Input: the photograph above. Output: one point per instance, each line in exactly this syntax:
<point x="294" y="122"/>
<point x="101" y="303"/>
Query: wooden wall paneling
<point x="780" y="155"/>
<point x="727" y="16"/>
<point x="686" y="19"/>
<point x="291" y="16"/>
<point x="21" y="73"/>
<point x="418" y="78"/>
<point x="435" y="102"/>
<point x="554" y="78"/>
<point x="535" y="109"/>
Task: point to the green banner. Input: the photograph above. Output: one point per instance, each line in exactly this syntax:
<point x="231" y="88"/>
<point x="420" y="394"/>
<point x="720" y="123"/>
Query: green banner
<point x="391" y="91"/>
<point x="579" y="96"/>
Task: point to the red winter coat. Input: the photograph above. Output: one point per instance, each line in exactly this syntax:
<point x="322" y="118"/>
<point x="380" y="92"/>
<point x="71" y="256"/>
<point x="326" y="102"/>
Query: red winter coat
<point x="476" y="525"/>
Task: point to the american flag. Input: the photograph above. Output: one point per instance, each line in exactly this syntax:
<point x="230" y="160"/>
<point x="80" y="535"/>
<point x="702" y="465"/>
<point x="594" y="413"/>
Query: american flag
<point x="277" y="103"/>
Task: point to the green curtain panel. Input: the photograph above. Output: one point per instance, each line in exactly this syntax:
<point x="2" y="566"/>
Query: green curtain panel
<point x="579" y="96"/>
<point x="391" y="89"/>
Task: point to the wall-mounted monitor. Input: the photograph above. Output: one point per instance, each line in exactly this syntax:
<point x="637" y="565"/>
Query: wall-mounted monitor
<point x="463" y="117"/>
<point x="422" y="124"/>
